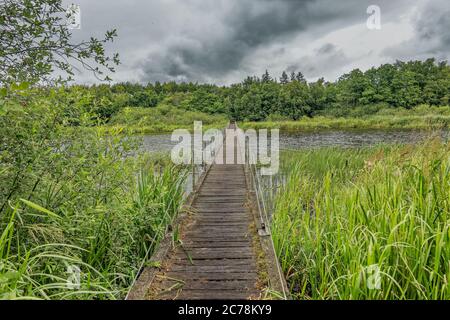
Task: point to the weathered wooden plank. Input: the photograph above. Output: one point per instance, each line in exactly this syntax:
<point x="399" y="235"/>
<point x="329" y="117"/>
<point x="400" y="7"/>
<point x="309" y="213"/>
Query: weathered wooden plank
<point x="215" y="253"/>
<point x="209" y="295"/>
<point x="196" y="236"/>
<point x="210" y="249"/>
<point x="215" y="262"/>
<point x="213" y="269"/>
<point x="225" y="224"/>
<point x="212" y="276"/>
<point x="205" y="208"/>
<point x="221" y="213"/>
<point x="224" y="229"/>
<point x="223" y="244"/>
<point x="240" y="200"/>
<point x="219" y="234"/>
<point x="237" y="210"/>
<point x="221" y="238"/>
<point x="238" y="285"/>
<point x="222" y="218"/>
<point x="216" y="242"/>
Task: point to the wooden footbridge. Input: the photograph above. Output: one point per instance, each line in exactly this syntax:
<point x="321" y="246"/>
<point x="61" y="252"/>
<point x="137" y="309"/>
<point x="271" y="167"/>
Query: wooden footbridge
<point x="219" y="248"/>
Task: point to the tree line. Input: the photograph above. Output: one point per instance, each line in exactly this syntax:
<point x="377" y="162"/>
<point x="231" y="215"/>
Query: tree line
<point x="289" y="97"/>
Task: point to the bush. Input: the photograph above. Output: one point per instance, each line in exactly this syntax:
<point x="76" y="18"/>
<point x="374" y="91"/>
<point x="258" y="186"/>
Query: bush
<point x="74" y="199"/>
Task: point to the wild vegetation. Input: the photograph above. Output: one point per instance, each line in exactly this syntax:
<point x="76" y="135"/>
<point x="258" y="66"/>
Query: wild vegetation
<point x="421" y="117"/>
<point x="162" y="119"/>
<point x="345" y="216"/>
<point x="76" y="201"/>
<point x="81" y="208"/>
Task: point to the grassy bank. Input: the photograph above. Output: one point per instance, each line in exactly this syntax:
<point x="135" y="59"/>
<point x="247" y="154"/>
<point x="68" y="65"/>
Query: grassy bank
<point x="422" y="117"/>
<point x="162" y="119"/>
<point x="344" y="214"/>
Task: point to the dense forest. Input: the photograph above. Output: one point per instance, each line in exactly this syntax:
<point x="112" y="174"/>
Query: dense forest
<point x="289" y="97"/>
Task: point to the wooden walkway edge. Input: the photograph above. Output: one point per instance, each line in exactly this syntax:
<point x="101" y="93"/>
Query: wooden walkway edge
<point x="218" y="253"/>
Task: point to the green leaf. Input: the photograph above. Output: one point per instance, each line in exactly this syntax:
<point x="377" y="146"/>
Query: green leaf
<point x="23" y="86"/>
<point x="8" y="276"/>
<point x="3" y="92"/>
<point x="41" y="209"/>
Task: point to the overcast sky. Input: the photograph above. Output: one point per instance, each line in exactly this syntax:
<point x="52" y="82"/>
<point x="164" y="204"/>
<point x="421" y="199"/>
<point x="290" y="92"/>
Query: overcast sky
<point x="223" y="41"/>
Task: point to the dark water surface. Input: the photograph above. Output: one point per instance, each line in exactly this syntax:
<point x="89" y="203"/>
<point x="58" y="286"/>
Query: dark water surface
<point x="354" y="138"/>
<point x="324" y="138"/>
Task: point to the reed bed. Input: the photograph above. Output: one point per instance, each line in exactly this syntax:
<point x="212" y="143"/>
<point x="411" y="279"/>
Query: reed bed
<point x="95" y="253"/>
<point x="421" y="117"/>
<point x="368" y="223"/>
<point x="80" y="211"/>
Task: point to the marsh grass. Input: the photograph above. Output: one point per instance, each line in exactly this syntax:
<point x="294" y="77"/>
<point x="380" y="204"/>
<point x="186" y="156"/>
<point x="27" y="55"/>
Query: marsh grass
<point x="162" y="119"/>
<point x="107" y="243"/>
<point x="421" y="117"/>
<point x="342" y="211"/>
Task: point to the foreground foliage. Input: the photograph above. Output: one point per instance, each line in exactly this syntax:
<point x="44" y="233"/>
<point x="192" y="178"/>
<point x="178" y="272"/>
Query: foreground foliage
<point x="79" y="211"/>
<point x="35" y="41"/>
<point x="344" y="214"/>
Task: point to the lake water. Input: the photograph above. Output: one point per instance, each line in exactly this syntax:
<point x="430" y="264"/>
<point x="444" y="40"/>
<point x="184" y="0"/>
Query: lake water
<point x="301" y="140"/>
<point x="304" y="140"/>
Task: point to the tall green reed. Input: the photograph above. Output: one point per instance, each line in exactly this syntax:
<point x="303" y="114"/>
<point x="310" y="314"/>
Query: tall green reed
<point x="345" y="213"/>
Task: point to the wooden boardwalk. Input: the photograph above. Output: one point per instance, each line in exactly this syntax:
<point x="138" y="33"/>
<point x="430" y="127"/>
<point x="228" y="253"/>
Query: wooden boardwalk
<point x="220" y="255"/>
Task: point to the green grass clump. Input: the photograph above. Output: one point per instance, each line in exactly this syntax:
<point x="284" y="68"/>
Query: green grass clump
<point x="421" y="117"/>
<point x="105" y="234"/>
<point x="343" y="212"/>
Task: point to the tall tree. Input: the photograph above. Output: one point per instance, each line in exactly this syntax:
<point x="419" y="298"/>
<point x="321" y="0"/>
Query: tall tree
<point x="293" y="76"/>
<point x="266" y="77"/>
<point x="299" y="77"/>
<point x="35" y="40"/>
<point x="284" y="78"/>
<point x="294" y="98"/>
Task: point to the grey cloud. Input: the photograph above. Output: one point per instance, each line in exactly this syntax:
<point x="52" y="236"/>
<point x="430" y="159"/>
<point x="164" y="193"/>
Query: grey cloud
<point x="209" y="41"/>
<point x="249" y="25"/>
<point x="326" y="48"/>
<point x="325" y="58"/>
<point x="432" y="36"/>
<point x="434" y="25"/>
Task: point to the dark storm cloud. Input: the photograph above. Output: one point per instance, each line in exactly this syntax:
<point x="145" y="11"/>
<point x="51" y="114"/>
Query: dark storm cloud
<point x="248" y="25"/>
<point x="222" y="41"/>
<point x="434" y="25"/>
<point x="432" y="36"/>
